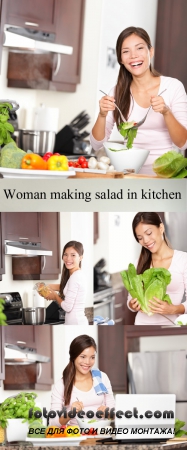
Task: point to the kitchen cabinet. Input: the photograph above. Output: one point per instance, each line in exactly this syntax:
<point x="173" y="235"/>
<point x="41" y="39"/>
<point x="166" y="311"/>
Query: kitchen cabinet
<point x="114" y="344"/>
<point x="171" y="33"/>
<point x="38" y="376"/>
<point x="96" y="227"/>
<point x="2" y="365"/>
<point x="50" y="238"/>
<point x="33" y="227"/>
<point x="34" y="14"/>
<point x="22" y="226"/>
<point x="55" y="72"/>
<point x="122" y="314"/>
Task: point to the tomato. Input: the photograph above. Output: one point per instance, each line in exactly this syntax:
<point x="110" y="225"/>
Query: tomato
<point x="70" y="163"/>
<point x="77" y="164"/>
<point x="47" y="156"/>
<point x="84" y="165"/>
<point x="81" y="159"/>
<point x="72" y="431"/>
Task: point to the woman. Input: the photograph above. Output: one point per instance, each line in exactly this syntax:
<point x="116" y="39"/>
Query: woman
<point x="71" y="292"/>
<point x="79" y="388"/>
<point x="138" y="87"/>
<point x="148" y="230"/>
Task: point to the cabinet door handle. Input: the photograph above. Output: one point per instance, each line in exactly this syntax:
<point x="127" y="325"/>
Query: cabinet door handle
<point x="39" y="365"/>
<point x="23" y="238"/>
<point x="21" y="342"/>
<point x="118" y="305"/>
<point x="44" y="263"/>
<point x="119" y="320"/>
<point x="57" y="65"/>
<point x="32" y="24"/>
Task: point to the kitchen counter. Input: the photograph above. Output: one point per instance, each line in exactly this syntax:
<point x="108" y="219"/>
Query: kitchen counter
<point x="94" y="445"/>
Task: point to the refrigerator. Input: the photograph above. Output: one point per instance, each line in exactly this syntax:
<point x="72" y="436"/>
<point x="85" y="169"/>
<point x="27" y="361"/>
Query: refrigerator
<point x="163" y="372"/>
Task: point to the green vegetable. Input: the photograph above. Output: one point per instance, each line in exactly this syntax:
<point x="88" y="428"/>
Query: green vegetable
<point x="5" y="127"/>
<point x="178" y="425"/>
<point x="180" y="323"/>
<point x="18" y="407"/>
<point x="92" y="420"/>
<point x="2" y="315"/>
<point x="11" y="156"/>
<point x="36" y="424"/>
<point x="128" y="131"/>
<point x="171" y="165"/>
<point x="152" y="283"/>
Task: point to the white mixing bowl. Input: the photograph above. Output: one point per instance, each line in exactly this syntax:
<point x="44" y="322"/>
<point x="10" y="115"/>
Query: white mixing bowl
<point x="100" y="423"/>
<point x="126" y="159"/>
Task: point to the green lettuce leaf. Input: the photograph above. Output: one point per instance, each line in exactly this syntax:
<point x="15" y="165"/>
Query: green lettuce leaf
<point x="152" y="283"/>
<point x="170" y="165"/>
<point x="128" y="132"/>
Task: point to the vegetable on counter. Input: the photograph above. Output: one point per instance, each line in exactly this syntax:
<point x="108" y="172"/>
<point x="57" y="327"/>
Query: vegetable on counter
<point x="171" y="165"/>
<point x="56" y="162"/>
<point x="5" y="127"/>
<point x="152" y="283"/>
<point x="178" y="425"/>
<point x="18" y="407"/>
<point x="32" y="161"/>
<point x="128" y="131"/>
<point x="48" y="155"/>
<point x="3" y="318"/>
<point x="11" y="156"/>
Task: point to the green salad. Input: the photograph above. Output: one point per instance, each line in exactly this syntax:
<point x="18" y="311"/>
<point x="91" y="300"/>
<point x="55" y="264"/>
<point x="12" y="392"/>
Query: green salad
<point x="171" y="165"/>
<point x="128" y="131"/>
<point x="152" y="283"/>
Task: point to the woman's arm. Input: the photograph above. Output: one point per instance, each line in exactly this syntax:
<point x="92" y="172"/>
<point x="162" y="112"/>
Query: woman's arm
<point x="160" y="307"/>
<point x="55" y="287"/>
<point x="175" y="116"/>
<point x="106" y="104"/>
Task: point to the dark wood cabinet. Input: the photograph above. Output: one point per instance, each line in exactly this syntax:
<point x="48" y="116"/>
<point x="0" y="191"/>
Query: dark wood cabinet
<point x="22" y="226"/>
<point x="50" y="238"/>
<point x="122" y="314"/>
<point x="53" y="71"/>
<point x="96" y="227"/>
<point x="114" y="344"/>
<point x="2" y="365"/>
<point x="32" y="227"/>
<point x="171" y="36"/>
<point x="37" y="376"/>
<point x="34" y="14"/>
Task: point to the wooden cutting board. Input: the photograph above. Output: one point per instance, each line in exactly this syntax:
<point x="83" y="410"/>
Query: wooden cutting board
<point x="98" y="175"/>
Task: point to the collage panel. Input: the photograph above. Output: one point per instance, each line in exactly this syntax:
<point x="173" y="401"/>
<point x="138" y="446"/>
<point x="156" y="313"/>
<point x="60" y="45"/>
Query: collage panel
<point x="46" y="269"/>
<point x="140" y="268"/>
<point x="125" y="384"/>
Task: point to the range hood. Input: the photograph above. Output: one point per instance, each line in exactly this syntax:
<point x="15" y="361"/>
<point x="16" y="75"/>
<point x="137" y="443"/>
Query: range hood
<point x="29" y="39"/>
<point x="18" y="248"/>
<point x="15" y="354"/>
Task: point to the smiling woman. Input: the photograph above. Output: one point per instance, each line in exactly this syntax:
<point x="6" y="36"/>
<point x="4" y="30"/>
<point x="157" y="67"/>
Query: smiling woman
<point x="138" y="87"/>
<point x="70" y="294"/>
<point x="148" y="230"/>
<point x="81" y="387"/>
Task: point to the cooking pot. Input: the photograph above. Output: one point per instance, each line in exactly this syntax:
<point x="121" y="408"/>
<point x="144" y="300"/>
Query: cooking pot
<point x="34" y="316"/>
<point x="38" y="142"/>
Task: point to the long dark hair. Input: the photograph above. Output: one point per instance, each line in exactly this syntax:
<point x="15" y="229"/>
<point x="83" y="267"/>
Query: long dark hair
<point x="149" y="218"/>
<point x="77" y="346"/>
<point x="122" y="91"/>
<point x="78" y="247"/>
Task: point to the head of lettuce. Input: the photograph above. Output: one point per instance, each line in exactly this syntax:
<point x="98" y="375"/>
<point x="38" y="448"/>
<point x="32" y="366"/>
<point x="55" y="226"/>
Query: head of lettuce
<point x="171" y="165"/>
<point x="152" y="283"/>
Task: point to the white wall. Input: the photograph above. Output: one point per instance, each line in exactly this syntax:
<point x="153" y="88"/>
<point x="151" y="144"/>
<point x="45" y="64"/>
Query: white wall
<point x="116" y="242"/>
<point x="77" y="226"/>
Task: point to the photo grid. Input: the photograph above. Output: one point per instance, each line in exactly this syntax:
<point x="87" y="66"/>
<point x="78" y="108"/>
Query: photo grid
<point x="93" y="273"/>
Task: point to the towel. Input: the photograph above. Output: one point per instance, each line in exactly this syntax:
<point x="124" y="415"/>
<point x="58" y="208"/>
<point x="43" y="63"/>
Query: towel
<point x="98" y="385"/>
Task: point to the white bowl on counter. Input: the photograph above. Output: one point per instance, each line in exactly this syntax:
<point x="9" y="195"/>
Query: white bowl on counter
<point x="100" y="423"/>
<point x="182" y="319"/>
<point x="126" y="159"/>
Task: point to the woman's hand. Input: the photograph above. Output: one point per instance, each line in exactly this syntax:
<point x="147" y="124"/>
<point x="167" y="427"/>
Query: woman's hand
<point x="106" y="104"/>
<point x="158" y="105"/>
<point x="160" y="307"/>
<point x="78" y="405"/>
<point x="134" y="304"/>
<point x="50" y="295"/>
